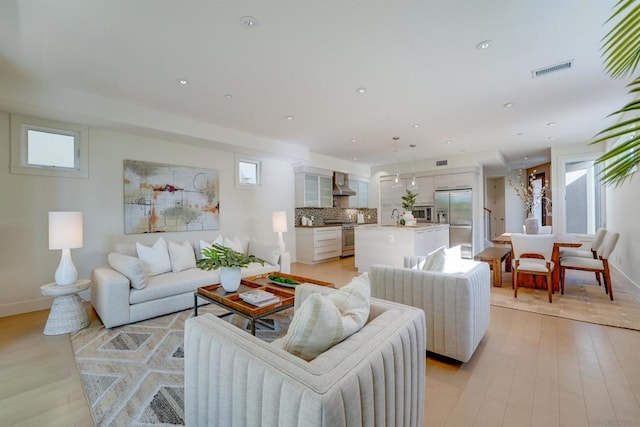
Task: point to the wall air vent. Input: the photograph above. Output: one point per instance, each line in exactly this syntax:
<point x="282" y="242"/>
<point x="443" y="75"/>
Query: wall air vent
<point x="442" y="162"/>
<point x="551" y="69"/>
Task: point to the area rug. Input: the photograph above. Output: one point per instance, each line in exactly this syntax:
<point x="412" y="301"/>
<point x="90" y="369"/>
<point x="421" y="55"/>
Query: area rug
<point x="583" y="300"/>
<point x="133" y="375"/>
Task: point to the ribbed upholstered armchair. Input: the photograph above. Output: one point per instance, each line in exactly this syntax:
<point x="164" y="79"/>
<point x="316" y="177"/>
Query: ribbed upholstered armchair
<point x="456" y="305"/>
<point x="373" y="378"/>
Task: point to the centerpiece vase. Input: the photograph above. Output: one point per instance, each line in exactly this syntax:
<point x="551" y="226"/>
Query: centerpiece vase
<point x="531" y="224"/>
<point x="230" y="278"/>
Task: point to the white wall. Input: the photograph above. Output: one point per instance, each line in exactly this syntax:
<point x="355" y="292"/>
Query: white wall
<point x="25" y="260"/>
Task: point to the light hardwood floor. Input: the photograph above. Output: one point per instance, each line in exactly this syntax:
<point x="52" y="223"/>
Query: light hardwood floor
<point x="530" y="370"/>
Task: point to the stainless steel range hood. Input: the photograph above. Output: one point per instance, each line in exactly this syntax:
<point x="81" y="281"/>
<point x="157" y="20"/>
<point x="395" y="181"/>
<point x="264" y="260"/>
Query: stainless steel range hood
<point x="341" y="185"/>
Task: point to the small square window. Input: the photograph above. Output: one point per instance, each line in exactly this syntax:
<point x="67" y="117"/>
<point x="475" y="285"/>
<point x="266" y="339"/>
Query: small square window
<point x="248" y="172"/>
<point x="49" y="148"/>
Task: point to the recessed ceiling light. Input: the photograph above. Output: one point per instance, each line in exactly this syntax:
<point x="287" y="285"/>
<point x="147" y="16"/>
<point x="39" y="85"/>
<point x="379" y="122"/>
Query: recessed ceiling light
<point x="355" y="158"/>
<point x="361" y="90"/>
<point x="249" y="21"/>
<point x="508" y="105"/>
<point x="526" y="157"/>
<point x="289" y="117"/>
<point x="484" y="45"/>
<point x="412" y="145"/>
<point x="415" y="125"/>
<point x="551" y="124"/>
<point x="551" y="138"/>
<point x="396" y="139"/>
<point x="354" y="141"/>
<point x="183" y="82"/>
<point x="520" y="133"/>
<point x="447" y="142"/>
<point x="228" y="96"/>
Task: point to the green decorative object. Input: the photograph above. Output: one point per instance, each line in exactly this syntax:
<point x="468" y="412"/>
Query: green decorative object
<point x="409" y="200"/>
<point x="220" y="256"/>
<point x="621" y="50"/>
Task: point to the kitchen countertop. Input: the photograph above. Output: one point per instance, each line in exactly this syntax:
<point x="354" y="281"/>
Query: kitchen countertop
<point x="402" y="227"/>
<point x="330" y="225"/>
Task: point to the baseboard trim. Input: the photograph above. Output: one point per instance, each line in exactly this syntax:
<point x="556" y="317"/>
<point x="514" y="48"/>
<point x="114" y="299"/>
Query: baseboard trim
<point x="623" y="274"/>
<point x="22" y="307"/>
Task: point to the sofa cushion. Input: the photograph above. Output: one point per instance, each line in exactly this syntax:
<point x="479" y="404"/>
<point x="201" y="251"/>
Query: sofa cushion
<point x="131" y="267"/>
<point x="324" y="320"/>
<point x="169" y="284"/>
<point x="234" y="244"/>
<point x="156" y="258"/>
<point x="265" y="251"/>
<point x="182" y="256"/>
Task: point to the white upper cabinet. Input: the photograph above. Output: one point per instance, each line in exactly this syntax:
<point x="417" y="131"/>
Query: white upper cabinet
<point x="361" y="199"/>
<point x="314" y="188"/>
<point x="453" y="180"/>
<point x="425" y="190"/>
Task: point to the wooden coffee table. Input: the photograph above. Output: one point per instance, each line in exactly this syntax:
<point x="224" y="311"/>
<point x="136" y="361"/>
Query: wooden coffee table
<point x="232" y="302"/>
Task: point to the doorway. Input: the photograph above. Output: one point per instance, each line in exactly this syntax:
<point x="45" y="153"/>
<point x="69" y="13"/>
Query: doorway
<point x="495" y="203"/>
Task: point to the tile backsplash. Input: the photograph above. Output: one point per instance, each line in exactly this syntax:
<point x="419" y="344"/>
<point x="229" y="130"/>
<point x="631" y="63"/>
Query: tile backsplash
<point x="345" y="214"/>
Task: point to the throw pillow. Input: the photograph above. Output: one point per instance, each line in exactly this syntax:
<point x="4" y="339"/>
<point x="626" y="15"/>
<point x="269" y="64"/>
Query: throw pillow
<point x="452" y="260"/>
<point x="435" y="260"/>
<point x="234" y="244"/>
<point x="156" y="258"/>
<point x="181" y="256"/>
<point x="264" y="251"/>
<point x="130" y="267"/>
<point x="324" y="320"/>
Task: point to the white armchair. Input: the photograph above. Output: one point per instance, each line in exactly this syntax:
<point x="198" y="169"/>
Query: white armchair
<point x="375" y="377"/>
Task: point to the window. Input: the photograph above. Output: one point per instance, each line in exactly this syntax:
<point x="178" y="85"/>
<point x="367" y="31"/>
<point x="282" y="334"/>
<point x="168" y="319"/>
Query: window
<point x="583" y="197"/>
<point x="44" y="147"/>
<point x="248" y="172"/>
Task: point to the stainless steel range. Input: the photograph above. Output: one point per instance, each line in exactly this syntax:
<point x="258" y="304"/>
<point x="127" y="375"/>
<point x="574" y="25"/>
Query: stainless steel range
<point x="348" y="236"/>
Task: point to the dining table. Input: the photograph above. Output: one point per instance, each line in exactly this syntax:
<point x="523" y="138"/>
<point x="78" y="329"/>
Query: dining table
<point x="561" y="241"/>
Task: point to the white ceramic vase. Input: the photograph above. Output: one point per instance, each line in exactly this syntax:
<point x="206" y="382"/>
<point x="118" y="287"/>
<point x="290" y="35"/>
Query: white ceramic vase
<point x="531" y="225"/>
<point x="230" y="278"/>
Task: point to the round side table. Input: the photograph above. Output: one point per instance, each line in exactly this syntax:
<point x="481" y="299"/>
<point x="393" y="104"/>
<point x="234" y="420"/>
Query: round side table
<point x="67" y="312"/>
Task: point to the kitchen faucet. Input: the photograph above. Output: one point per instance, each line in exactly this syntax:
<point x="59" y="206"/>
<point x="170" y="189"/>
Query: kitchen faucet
<point x="395" y="211"/>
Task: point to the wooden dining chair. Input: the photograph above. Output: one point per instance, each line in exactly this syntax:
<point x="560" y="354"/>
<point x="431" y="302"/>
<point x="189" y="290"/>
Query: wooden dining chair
<point x="600" y="265"/>
<point x="592" y="253"/>
<point x="532" y="255"/>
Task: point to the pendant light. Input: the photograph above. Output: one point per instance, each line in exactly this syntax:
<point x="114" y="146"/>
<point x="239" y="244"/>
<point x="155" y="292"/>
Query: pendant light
<point x="413" y="186"/>
<point x="396" y="178"/>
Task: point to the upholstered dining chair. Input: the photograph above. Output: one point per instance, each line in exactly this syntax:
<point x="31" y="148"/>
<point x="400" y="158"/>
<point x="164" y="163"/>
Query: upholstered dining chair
<point x="592" y="253"/>
<point x="532" y="255"/>
<point x="600" y="265"/>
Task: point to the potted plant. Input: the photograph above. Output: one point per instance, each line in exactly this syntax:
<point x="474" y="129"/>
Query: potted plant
<point x="229" y="262"/>
<point x="408" y="202"/>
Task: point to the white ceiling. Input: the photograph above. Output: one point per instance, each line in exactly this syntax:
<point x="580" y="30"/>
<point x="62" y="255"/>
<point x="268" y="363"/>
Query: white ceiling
<point x="417" y="59"/>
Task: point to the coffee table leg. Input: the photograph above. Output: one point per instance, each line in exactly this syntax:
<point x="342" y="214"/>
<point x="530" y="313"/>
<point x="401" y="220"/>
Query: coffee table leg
<point x="195" y="304"/>
<point x="253" y="326"/>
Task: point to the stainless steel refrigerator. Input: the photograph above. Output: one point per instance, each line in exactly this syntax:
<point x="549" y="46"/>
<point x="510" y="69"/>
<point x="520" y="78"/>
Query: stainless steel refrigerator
<point x="455" y="207"/>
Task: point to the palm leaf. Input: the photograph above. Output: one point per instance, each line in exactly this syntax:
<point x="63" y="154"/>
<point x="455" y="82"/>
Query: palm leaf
<point x="621" y="49"/>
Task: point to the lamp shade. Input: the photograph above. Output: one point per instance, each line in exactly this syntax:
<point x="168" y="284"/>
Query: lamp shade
<point x="279" y="220"/>
<point x="65" y="230"/>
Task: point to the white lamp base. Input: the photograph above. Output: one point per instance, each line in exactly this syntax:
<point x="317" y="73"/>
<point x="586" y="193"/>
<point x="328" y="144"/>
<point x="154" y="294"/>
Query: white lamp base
<point x="281" y="242"/>
<point x="66" y="273"/>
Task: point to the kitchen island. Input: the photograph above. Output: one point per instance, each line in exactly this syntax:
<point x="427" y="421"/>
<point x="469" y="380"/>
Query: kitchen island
<point x="388" y="244"/>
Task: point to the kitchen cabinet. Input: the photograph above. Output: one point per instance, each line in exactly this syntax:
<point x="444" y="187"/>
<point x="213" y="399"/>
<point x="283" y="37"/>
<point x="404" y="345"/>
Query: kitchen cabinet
<point x="425" y="190"/>
<point x="314" y="190"/>
<point x="453" y="180"/>
<point x="361" y="199"/>
<point x="318" y="244"/>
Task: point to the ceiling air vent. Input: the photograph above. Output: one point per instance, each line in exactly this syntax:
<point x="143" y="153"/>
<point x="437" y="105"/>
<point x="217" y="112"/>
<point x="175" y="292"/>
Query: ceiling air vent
<point x="551" y="69"/>
<point x="442" y="162"/>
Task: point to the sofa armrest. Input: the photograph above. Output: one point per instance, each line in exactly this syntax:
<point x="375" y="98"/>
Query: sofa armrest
<point x="110" y="296"/>
<point x="285" y="262"/>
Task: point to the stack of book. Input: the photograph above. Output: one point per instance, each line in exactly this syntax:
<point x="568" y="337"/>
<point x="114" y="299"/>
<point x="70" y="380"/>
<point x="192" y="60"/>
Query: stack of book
<point x="259" y="298"/>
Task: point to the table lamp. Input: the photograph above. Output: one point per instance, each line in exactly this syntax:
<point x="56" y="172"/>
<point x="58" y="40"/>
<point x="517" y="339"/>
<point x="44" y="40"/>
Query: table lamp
<point x="65" y="232"/>
<point x="279" y="220"/>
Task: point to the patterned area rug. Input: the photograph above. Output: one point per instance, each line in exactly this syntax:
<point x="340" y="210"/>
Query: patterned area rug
<point x="583" y="300"/>
<point x="133" y="375"/>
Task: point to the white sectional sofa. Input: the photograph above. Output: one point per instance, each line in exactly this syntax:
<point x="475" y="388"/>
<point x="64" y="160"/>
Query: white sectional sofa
<point x="375" y="377"/>
<point x="117" y="302"/>
<point x="456" y="305"/>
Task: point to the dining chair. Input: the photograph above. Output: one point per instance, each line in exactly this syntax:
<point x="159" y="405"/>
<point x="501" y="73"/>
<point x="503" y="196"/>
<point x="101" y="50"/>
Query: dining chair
<point x="600" y="265"/>
<point x="592" y="253"/>
<point x="532" y="255"/>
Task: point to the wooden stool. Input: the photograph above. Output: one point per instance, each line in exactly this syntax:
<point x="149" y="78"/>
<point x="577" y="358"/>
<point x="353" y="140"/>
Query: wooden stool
<point x="494" y="256"/>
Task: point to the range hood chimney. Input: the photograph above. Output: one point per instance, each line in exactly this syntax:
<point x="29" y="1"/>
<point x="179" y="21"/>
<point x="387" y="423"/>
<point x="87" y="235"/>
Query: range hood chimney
<point x="341" y="185"/>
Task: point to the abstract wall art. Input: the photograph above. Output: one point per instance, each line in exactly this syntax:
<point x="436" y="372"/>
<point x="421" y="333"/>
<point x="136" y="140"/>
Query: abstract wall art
<point x="162" y="198"/>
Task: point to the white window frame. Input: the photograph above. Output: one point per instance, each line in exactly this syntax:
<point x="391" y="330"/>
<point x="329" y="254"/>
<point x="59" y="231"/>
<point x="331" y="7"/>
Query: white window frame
<point x="20" y="125"/>
<point x="561" y="192"/>
<point x="248" y="159"/>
